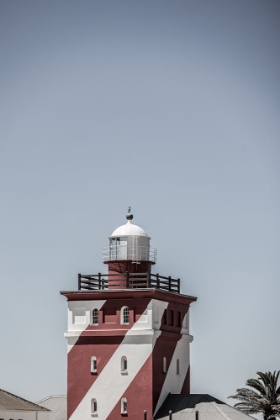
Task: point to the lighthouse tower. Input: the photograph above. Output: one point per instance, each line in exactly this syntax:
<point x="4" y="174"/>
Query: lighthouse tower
<point x="128" y="334"/>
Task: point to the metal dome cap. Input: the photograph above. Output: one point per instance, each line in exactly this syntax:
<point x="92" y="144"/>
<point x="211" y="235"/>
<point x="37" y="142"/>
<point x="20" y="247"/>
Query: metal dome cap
<point x="129" y="229"/>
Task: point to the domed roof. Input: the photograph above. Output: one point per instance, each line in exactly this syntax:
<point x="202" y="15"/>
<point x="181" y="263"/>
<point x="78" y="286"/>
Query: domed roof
<point x="129" y="229"/>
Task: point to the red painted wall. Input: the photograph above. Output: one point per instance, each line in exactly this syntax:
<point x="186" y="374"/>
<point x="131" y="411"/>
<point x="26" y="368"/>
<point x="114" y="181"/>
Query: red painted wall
<point x="171" y="325"/>
<point x="138" y="395"/>
<point x="80" y="379"/>
<point x="102" y="341"/>
<point x="117" y="270"/>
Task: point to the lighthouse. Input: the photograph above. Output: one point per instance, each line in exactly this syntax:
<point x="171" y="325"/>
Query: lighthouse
<point x="128" y="334"/>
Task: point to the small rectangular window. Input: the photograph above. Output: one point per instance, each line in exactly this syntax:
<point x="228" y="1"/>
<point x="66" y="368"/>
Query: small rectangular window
<point x="95" y="317"/>
<point x="170" y="317"/>
<point x="93" y="366"/>
<point x="93" y="406"/>
<point x="123" y="364"/>
<point x="125" y="315"/>
<point x="123" y="406"/>
<point x="179" y="319"/>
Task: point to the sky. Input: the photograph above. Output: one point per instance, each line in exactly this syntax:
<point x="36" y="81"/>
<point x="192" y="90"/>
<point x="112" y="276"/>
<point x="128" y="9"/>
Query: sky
<point x="172" y="108"/>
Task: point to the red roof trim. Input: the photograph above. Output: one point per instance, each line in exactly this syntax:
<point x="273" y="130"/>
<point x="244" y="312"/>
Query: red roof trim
<point x="126" y="293"/>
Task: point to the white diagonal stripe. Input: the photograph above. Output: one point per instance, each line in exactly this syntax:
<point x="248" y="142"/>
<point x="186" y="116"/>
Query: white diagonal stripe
<point x="137" y="346"/>
<point x="174" y="382"/>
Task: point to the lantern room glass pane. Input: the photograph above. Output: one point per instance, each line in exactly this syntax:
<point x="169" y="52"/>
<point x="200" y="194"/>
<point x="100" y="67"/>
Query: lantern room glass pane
<point x="118" y="248"/>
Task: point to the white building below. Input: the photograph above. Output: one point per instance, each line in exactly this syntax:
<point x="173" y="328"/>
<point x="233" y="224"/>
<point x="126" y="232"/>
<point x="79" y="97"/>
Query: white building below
<point x="57" y="404"/>
<point x="197" y="407"/>
<point x="13" y="407"/>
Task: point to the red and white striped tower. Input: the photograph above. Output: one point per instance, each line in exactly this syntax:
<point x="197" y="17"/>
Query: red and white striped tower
<point x="128" y="334"/>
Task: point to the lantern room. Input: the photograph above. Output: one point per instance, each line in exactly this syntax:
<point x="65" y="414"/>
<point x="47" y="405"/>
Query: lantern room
<point x="129" y="242"/>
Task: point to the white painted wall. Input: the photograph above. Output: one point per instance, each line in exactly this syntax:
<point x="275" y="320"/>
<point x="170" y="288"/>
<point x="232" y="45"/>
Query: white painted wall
<point x="79" y="313"/>
<point x="24" y="415"/>
<point x="158" y="307"/>
<point x="137" y="346"/>
<point x="174" y="382"/>
<point x="79" y="317"/>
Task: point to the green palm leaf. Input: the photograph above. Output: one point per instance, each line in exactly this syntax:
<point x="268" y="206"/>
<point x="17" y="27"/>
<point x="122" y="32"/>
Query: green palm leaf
<point x="262" y="396"/>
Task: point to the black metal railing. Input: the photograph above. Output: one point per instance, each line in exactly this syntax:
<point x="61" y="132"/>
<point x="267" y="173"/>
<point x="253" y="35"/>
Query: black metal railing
<point x="127" y="281"/>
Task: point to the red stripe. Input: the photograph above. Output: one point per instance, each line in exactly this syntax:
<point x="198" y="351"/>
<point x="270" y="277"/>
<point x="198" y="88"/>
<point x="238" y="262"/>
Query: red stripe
<point x="148" y="383"/>
<point x="101" y="344"/>
<point x="165" y="347"/>
<point x="138" y="395"/>
<point x="144" y="391"/>
<point x="80" y="379"/>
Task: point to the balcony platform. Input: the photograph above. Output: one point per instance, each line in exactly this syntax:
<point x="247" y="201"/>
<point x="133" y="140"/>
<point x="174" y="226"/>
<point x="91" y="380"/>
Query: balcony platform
<point x="128" y="281"/>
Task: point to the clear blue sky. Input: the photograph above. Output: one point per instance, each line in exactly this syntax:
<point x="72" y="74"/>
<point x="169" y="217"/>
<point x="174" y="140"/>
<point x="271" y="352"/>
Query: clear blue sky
<point x="171" y="107"/>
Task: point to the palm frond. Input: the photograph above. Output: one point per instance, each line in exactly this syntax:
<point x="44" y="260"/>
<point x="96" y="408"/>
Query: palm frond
<point x="262" y="396"/>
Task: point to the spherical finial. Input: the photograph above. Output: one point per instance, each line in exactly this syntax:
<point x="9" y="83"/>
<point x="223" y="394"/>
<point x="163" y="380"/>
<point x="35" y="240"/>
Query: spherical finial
<point x="129" y="216"/>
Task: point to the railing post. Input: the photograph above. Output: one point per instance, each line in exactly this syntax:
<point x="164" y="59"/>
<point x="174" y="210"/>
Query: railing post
<point x="170" y="414"/>
<point x="157" y="275"/>
<point x="99" y="281"/>
<point x="178" y="285"/>
<point x="79" y="281"/>
<point x="169" y="285"/>
<point x="145" y="415"/>
<point x="127" y="279"/>
<point x="148" y="279"/>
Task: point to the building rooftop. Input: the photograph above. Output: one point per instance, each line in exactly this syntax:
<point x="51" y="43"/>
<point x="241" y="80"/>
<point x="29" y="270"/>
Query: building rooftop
<point x="12" y="402"/>
<point x="57" y="404"/>
<point x="198" y="407"/>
